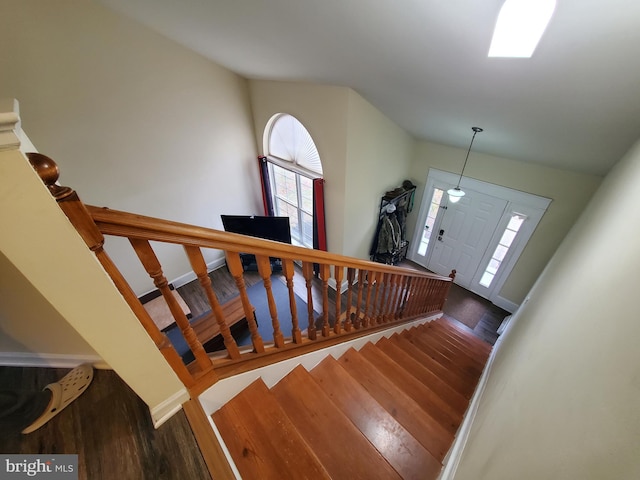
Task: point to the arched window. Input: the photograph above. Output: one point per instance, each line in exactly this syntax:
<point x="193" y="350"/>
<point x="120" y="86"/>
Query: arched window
<point x="294" y="172"/>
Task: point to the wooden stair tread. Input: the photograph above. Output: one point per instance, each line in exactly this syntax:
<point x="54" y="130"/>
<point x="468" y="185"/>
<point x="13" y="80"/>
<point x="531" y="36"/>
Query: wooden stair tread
<point x="454" y="354"/>
<point x="261" y="439"/>
<point x="428" y="400"/>
<point x="469" y="339"/>
<point x="463" y="332"/>
<point x="433" y="436"/>
<point x="390" y="410"/>
<point x="405" y="454"/>
<point x="435" y="351"/>
<point x="454" y="398"/>
<point x="471" y="349"/>
<point x="327" y="430"/>
<point x="455" y="381"/>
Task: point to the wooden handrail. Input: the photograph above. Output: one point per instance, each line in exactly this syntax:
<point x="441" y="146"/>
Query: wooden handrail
<point x="131" y="225"/>
<point x="376" y="295"/>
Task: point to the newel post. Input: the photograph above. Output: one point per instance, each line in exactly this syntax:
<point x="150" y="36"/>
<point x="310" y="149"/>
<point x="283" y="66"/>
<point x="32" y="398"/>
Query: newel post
<point x="452" y="276"/>
<point x="80" y="218"/>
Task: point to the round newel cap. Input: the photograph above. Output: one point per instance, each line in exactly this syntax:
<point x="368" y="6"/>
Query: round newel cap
<point x="49" y="172"/>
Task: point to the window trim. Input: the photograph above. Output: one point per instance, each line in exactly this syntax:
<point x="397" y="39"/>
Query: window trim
<point x="299" y="208"/>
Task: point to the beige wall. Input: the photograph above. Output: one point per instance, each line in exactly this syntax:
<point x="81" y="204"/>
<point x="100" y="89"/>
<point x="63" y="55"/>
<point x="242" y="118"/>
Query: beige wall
<point x="378" y="160"/>
<point x="46" y="250"/>
<point x="323" y="111"/>
<point x="562" y="399"/>
<point x="569" y="191"/>
<point x="363" y="153"/>
<point x="135" y="121"/>
<point x="24" y="311"/>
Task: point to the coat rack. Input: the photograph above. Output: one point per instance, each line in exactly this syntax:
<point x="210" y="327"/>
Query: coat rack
<point x="389" y="242"/>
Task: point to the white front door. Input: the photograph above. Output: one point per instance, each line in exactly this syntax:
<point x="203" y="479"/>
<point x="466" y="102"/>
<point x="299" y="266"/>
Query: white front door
<point x="482" y="236"/>
<point x="463" y="235"/>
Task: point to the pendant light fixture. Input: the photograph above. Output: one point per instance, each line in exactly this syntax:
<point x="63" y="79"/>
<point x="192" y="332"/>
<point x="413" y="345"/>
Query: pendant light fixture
<point x="455" y="194"/>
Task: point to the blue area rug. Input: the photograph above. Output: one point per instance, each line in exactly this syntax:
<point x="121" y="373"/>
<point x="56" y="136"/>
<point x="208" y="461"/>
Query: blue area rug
<point x="258" y="298"/>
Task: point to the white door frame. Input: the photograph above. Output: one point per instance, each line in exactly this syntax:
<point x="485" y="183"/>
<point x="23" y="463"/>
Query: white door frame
<point x="532" y="206"/>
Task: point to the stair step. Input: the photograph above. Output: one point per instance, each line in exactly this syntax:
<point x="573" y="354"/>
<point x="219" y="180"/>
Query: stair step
<point x="405" y="454"/>
<point x="463" y="332"/>
<point x="428" y="431"/>
<point x="434" y="351"/>
<point x="452" y="397"/>
<point x="455" y="381"/>
<point x="327" y="430"/>
<point x="472" y="349"/>
<point x="414" y="388"/>
<point x="455" y="354"/>
<point x="262" y="440"/>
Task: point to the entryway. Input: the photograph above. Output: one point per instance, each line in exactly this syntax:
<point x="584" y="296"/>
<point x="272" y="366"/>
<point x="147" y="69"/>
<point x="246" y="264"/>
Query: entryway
<point x="481" y="236"/>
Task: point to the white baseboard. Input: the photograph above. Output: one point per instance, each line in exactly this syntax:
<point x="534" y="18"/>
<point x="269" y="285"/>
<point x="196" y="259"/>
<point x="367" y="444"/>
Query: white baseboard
<point x="191" y="276"/>
<point x="505" y="304"/>
<point x="343" y="286"/>
<point x="169" y="407"/>
<point x="49" y="360"/>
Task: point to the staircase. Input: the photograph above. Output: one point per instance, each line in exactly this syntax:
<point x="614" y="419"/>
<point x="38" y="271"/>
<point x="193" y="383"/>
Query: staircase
<point x="390" y="410"/>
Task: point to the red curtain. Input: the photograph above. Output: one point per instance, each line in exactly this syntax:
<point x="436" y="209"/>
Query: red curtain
<point x="319" y="226"/>
<point x="267" y="199"/>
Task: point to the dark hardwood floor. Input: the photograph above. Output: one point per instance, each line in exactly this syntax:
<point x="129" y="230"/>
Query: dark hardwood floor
<point x="110" y="428"/>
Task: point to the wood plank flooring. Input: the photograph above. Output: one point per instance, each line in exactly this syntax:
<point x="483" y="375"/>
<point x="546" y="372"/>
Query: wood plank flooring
<point x="110" y="429"/>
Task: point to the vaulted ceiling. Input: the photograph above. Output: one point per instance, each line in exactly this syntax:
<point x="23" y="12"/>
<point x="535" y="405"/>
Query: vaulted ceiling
<point x="574" y="105"/>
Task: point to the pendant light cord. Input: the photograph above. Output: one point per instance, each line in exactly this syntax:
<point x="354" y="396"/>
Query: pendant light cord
<point x="475" y="131"/>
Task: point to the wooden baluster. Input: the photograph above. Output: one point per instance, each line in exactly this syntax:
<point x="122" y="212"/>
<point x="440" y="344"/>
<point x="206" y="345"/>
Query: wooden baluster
<point x="199" y="266"/>
<point x="371" y="279"/>
<point x="351" y="273"/>
<point x="324" y="276"/>
<point x="288" y="270"/>
<point x="426" y="295"/>
<point x="395" y="303"/>
<point x="338" y="272"/>
<point x="384" y="293"/>
<point x="436" y="294"/>
<point x="413" y="296"/>
<point x="80" y="218"/>
<point x="428" y="283"/>
<point x="423" y="293"/>
<point x="375" y="312"/>
<point x="390" y="302"/>
<point x="384" y="300"/>
<point x="357" y="320"/>
<point x="264" y="269"/>
<point x="152" y="265"/>
<point x="402" y="305"/>
<point x="234" y="264"/>
<point x="307" y="271"/>
<point x="432" y="286"/>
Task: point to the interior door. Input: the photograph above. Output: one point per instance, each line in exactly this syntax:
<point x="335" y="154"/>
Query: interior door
<point x="463" y="235"/>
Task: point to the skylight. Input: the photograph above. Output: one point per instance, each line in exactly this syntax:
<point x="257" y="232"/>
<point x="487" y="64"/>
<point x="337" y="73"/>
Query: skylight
<point x="520" y="26"/>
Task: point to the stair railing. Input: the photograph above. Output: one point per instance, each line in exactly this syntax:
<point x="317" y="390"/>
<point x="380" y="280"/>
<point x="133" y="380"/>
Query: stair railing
<point x="368" y="296"/>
